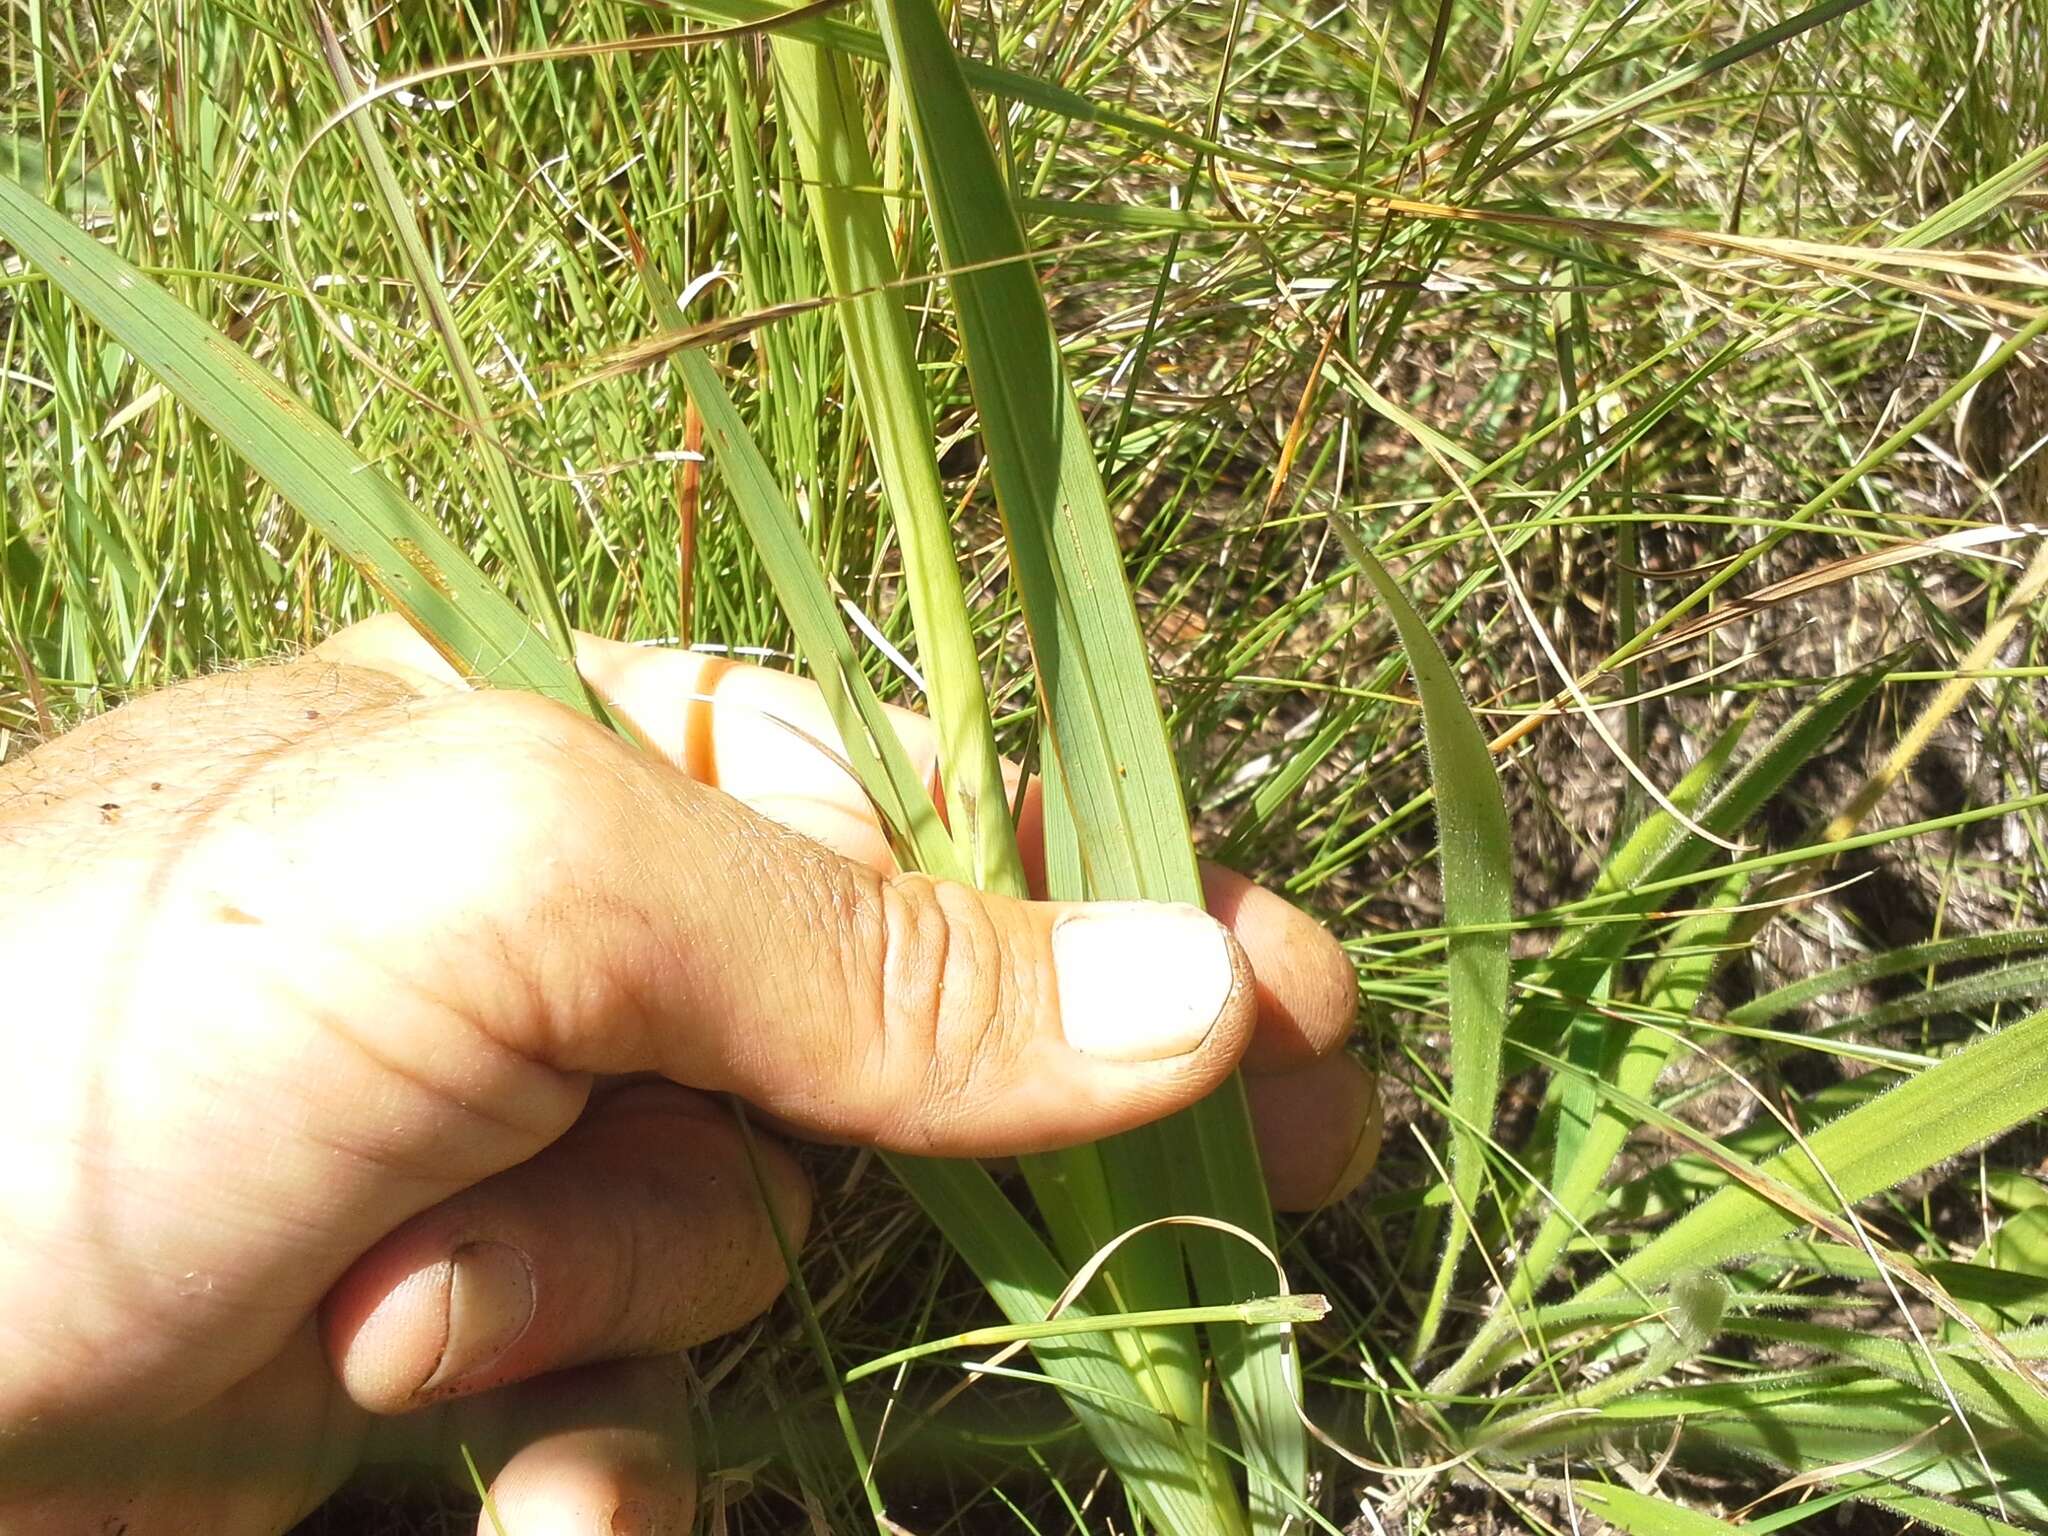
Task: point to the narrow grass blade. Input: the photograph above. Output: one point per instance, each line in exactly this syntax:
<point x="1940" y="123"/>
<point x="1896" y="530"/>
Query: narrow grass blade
<point x="1966" y="995"/>
<point x="399" y="549"/>
<point x="1163" y="1469"/>
<point x="1573" y="1101"/>
<point x="1655" y="836"/>
<point x="1161" y="1453"/>
<point x="507" y="510"/>
<point x="1662" y="850"/>
<point x="1935" y="1514"/>
<point x="1269" y="1309"/>
<point x="1980" y="1092"/>
<point x="1073" y="1187"/>
<point x="1473" y="853"/>
<point x="821" y="102"/>
<point x="1632" y="1061"/>
<point x="1758" y="42"/>
<point x="1103" y="720"/>
<point x="2020" y="1297"/>
<point x="1868" y="1437"/>
<point x="1102" y="725"/>
<point x="1846" y="1427"/>
<point x="1642" y="1514"/>
<point x="1006" y="84"/>
<point x="1893" y="962"/>
<point x="878" y="760"/>
<point x="1832" y="1441"/>
<point x="1988" y="1392"/>
<point x="1581" y="964"/>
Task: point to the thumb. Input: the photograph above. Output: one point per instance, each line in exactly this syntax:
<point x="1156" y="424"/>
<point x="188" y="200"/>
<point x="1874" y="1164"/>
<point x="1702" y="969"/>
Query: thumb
<point x="650" y="923"/>
<point x="924" y="1016"/>
<point x="914" y="1014"/>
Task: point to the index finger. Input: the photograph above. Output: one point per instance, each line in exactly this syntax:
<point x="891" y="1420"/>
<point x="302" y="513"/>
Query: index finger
<point x="748" y="730"/>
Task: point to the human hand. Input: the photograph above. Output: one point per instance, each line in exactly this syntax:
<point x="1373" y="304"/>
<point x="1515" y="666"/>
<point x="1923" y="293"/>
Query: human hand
<point x="323" y="979"/>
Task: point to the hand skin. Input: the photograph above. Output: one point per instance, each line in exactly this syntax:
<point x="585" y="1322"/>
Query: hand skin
<point x="362" y="1033"/>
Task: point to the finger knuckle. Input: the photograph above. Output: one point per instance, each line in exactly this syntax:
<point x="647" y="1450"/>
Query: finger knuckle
<point x="533" y="738"/>
<point x="519" y="761"/>
<point x="946" y="999"/>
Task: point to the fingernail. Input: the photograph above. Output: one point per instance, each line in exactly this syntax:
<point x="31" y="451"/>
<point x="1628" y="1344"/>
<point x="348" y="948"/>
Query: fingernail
<point x="633" y="1518"/>
<point x="1141" y="980"/>
<point x="490" y="1303"/>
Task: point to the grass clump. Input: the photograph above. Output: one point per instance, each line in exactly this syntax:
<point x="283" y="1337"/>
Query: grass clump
<point x="1680" y="373"/>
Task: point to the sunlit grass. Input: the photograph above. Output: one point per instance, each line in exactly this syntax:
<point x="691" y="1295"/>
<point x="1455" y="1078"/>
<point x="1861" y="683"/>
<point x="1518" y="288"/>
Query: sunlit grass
<point x="1481" y="292"/>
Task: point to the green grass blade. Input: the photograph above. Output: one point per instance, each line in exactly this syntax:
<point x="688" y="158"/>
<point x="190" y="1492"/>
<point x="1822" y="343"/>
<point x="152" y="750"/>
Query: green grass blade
<point x="1820" y="1438"/>
<point x="1474" y="852"/>
<point x="1642" y="1514"/>
<point x="1990" y="1393"/>
<point x="872" y="749"/>
<point x="1160" y="1453"/>
<point x="1758" y="42"/>
<point x="1965" y="1099"/>
<point x="1653" y="838"/>
<point x="1005" y="84"/>
<point x="821" y="102"/>
<point x="1572" y="1100"/>
<point x="1966" y="994"/>
<point x="1073" y="1188"/>
<point x="1155" y="1456"/>
<point x="1633" y="1060"/>
<point x="1102" y="725"/>
<point x="1272" y="1309"/>
<point x="1103" y="722"/>
<point x="2017" y="1297"/>
<point x="1935" y="1514"/>
<point x="399" y="549"/>
<point x="1578" y="962"/>
<point x="507" y="509"/>
<point x="1833" y="1423"/>
<point x="1893" y="962"/>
